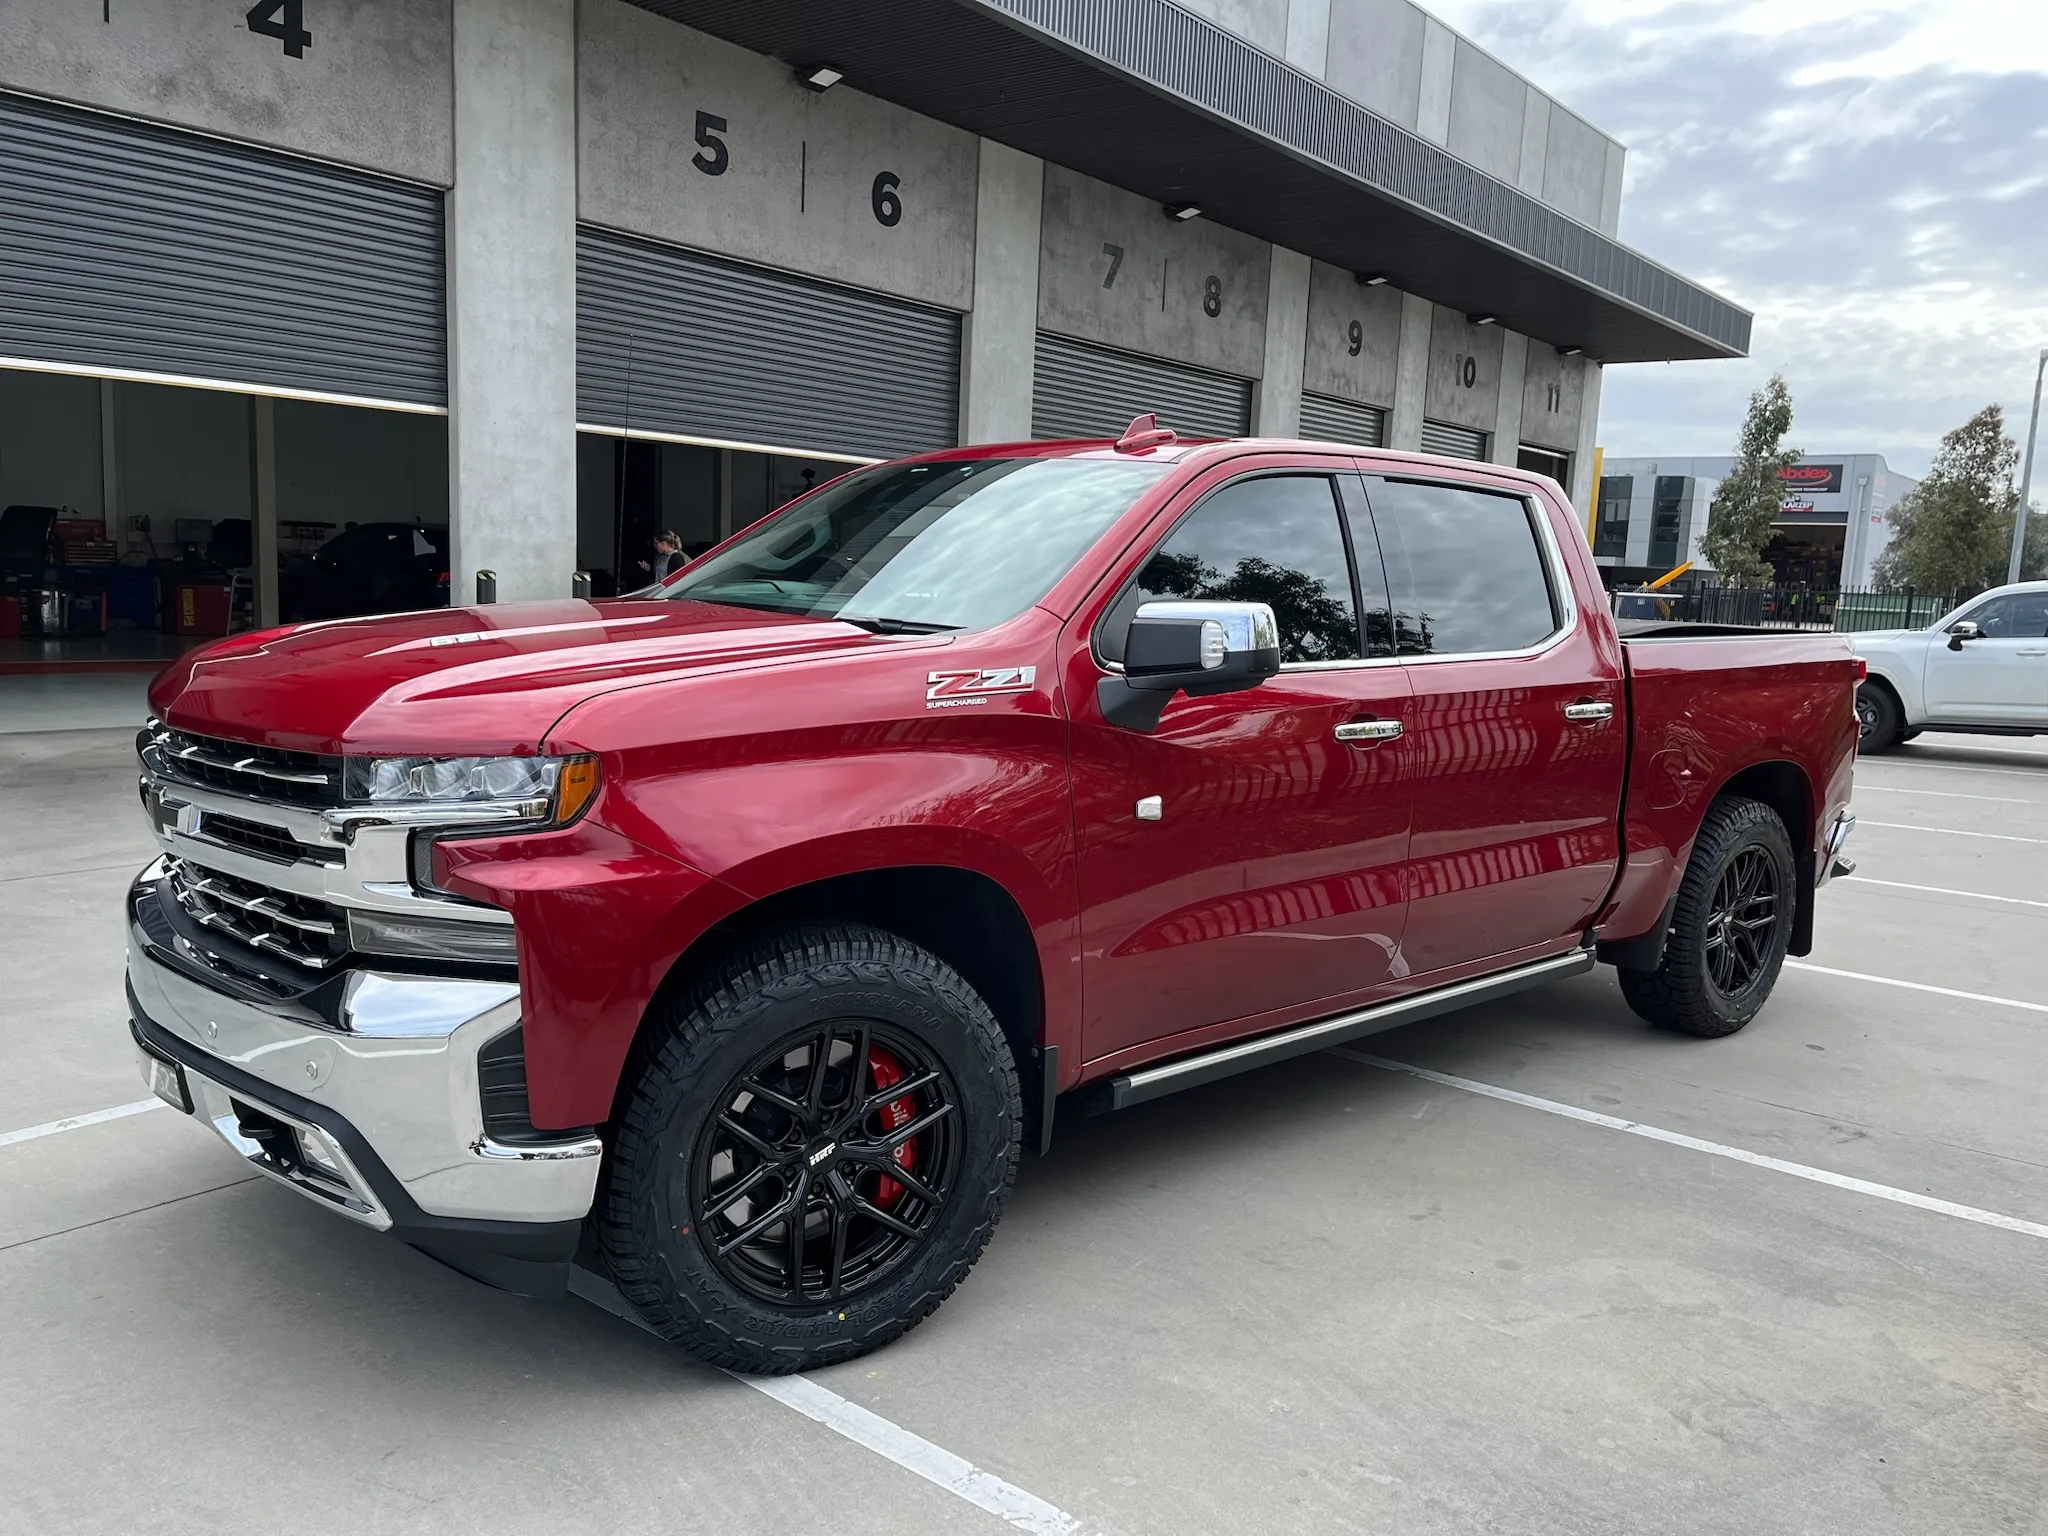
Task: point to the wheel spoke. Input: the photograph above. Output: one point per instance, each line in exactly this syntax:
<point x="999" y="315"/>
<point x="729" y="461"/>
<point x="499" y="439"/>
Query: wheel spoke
<point x="747" y="1138"/>
<point x="891" y="1169"/>
<point x="893" y="1223"/>
<point x="903" y="1090"/>
<point x="781" y="1101"/>
<point x="839" y="1204"/>
<point x="896" y="1138"/>
<point x="762" y="1223"/>
<point x="814" y="1091"/>
<point x="798" y="1220"/>
<point x="722" y="1201"/>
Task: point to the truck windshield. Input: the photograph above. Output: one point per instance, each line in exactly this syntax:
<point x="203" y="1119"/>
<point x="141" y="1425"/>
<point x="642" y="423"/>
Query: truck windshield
<point x="951" y="545"/>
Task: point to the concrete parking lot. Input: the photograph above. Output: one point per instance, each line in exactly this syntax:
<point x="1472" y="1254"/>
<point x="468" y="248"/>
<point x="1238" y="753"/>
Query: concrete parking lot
<point x="1326" y="1297"/>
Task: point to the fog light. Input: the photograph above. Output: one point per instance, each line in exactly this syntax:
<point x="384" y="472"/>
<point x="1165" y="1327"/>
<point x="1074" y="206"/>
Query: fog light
<point x="318" y="1155"/>
<point x="432" y="938"/>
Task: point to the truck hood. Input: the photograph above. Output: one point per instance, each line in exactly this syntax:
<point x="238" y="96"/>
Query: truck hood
<point x="464" y="680"/>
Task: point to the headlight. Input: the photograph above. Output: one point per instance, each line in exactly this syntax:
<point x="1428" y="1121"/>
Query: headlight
<point x="556" y="789"/>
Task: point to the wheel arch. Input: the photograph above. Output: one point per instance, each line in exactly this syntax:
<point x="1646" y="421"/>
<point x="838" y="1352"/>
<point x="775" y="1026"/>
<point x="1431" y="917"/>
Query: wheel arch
<point x="1785" y="788"/>
<point x="965" y="916"/>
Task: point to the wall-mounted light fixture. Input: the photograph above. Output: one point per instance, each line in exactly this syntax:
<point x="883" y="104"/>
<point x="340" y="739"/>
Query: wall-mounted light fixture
<point x="820" y="77"/>
<point x="1373" y="279"/>
<point x="1180" y="213"/>
<point x="1482" y="319"/>
<point x="1571" y="351"/>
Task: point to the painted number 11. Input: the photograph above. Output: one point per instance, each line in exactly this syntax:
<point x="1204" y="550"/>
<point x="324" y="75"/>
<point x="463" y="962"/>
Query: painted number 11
<point x="284" y="20"/>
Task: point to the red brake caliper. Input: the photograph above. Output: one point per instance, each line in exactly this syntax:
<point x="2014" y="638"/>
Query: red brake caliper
<point x="888" y="1072"/>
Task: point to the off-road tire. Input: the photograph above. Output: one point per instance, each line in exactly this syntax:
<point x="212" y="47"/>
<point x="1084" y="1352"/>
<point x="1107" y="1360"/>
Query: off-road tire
<point x="1879" y="721"/>
<point x="783" y="982"/>
<point x="1681" y="993"/>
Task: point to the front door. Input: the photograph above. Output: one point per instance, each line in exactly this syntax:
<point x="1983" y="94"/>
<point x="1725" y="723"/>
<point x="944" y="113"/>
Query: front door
<point x="1270" y="878"/>
<point x="1517" y="730"/>
<point x="2000" y="679"/>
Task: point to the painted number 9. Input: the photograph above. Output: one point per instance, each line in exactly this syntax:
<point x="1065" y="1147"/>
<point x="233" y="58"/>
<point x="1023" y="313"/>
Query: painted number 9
<point x="1212" y="296"/>
<point x="1356" y="335"/>
<point x="883" y="199"/>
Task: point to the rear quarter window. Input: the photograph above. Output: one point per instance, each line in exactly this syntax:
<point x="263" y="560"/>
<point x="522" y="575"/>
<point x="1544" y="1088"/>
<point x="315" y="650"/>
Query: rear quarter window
<point x="1467" y="568"/>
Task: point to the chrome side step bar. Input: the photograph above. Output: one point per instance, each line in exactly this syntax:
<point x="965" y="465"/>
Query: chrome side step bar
<point x="1130" y="1088"/>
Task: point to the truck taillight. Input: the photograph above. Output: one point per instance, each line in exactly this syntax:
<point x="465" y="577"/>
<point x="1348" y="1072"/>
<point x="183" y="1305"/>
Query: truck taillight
<point x="1862" y="668"/>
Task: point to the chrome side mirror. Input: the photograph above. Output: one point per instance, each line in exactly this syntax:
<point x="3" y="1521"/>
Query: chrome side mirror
<point x="1192" y="647"/>
<point x="1961" y="630"/>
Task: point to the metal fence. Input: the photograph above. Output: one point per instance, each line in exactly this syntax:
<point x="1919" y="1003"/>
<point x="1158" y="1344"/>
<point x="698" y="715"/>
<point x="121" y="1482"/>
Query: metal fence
<point x="1845" y="610"/>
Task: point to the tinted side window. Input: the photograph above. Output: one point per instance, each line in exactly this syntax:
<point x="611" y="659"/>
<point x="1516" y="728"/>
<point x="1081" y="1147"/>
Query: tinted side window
<point x="2017" y="615"/>
<point x="1467" y="571"/>
<point x="1273" y="540"/>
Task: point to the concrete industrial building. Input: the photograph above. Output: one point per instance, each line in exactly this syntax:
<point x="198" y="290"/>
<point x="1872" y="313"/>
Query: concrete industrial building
<point x="1652" y="513"/>
<point x="535" y="278"/>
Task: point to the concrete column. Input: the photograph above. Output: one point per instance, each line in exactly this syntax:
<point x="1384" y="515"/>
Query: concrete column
<point x="1276" y="399"/>
<point x="263" y="506"/>
<point x="1585" y="493"/>
<point x="1507" y="417"/>
<point x="1411" y="374"/>
<point x="512" y="298"/>
<point x="1433" y="100"/>
<point x="1000" y="341"/>
<point x="1308" y="36"/>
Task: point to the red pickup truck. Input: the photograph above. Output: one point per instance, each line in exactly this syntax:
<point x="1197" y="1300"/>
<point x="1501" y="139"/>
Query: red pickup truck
<point x="734" y="938"/>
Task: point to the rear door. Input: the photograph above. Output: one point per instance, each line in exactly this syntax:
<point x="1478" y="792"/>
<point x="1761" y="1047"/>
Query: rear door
<point x="1271" y="876"/>
<point x="2000" y="679"/>
<point x="1516" y="728"/>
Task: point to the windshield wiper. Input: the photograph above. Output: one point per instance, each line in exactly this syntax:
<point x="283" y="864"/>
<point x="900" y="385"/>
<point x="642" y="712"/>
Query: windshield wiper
<point x="874" y="624"/>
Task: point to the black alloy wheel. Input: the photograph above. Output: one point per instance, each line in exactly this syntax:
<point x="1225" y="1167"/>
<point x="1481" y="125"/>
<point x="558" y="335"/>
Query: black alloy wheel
<point x="1741" y="920"/>
<point x="1731" y="926"/>
<point x="827" y="1163"/>
<point x="818" y="1133"/>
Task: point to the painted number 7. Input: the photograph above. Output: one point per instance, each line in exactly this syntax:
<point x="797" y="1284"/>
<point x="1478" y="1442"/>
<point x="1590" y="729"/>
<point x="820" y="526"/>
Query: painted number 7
<point x="1115" y="253"/>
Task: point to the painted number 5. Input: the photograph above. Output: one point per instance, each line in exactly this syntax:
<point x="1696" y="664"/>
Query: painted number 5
<point x="712" y="156"/>
<point x="284" y="20"/>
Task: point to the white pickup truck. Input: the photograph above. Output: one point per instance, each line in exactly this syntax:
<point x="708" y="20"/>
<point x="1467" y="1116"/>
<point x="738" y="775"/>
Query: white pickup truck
<point x="1981" y="669"/>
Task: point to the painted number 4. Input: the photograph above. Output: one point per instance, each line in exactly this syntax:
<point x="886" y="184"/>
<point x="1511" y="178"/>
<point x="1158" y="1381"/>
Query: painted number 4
<point x="284" y="20"/>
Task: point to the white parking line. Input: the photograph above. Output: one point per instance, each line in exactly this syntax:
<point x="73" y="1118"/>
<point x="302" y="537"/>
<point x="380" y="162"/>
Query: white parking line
<point x="1983" y="1218"/>
<point x="1941" y="794"/>
<point x="1917" y="986"/>
<point x="1871" y="764"/>
<point x="914" y="1453"/>
<point x="52" y="1127"/>
<point x="1996" y="837"/>
<point x="1939" y="890"/>
<point x="2038" y="757"/>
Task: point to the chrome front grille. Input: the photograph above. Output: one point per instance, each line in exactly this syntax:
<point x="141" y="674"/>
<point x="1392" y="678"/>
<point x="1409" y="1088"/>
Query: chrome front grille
<point x="260" y="773"/>
<point x="311" y="933"/>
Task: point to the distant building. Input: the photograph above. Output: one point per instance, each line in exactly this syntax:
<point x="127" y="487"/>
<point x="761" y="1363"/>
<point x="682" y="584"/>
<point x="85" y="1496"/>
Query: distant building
<point x="1652" y="514"/>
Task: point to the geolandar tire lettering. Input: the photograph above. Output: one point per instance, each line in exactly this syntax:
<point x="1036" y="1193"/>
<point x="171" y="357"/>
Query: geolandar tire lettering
<point x="815" y="1149"/>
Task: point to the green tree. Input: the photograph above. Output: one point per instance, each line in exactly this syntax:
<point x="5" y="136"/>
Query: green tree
<point x="1750" y="499"/>
<point x="2034" y="558"/>
<point x="1953" y="531"/>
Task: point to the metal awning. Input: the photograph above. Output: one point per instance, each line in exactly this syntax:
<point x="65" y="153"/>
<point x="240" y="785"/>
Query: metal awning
<point x="1150" y="97"/>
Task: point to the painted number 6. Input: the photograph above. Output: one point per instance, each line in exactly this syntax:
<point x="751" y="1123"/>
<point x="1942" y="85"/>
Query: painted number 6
<point x="883" y="199"/>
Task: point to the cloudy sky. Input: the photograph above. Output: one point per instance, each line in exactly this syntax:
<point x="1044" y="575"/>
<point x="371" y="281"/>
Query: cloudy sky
<point x="1870" y="179"/>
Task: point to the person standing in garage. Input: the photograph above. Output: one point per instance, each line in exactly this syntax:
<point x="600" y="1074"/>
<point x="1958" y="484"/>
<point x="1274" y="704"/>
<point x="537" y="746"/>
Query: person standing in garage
<point x="668" y="555"/>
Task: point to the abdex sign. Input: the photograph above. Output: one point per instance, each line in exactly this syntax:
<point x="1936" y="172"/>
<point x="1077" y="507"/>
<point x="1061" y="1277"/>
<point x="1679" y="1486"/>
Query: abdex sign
<point x="1812" y="479"/>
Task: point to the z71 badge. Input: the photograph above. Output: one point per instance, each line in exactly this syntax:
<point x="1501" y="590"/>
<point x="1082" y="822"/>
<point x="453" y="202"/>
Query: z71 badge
<point x="956" y="690"/>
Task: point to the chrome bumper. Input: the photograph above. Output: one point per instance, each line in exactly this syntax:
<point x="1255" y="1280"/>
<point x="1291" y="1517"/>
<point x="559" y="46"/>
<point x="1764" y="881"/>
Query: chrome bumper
<point x="1831" y="861"/>
<point x="389" y="1098"/>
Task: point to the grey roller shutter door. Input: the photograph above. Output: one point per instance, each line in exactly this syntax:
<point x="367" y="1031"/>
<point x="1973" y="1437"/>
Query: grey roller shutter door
<point x="1328" y="419"/>
<point x="669" y="340"/>
<point x="131" y="248"/>
<point x="1453" y="442"/>
<point x="1079" y="390"/>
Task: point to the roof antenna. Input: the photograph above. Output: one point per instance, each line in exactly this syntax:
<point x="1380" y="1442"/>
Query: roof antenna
<point x="1144" y="434"/>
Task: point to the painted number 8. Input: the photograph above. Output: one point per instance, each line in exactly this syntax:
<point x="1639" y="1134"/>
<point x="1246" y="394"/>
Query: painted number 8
<point x="1212" y="296"/>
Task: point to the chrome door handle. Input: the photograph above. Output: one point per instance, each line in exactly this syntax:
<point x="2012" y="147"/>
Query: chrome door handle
<point x="1589" y="713"/>
<point x="1369" y="731"/>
